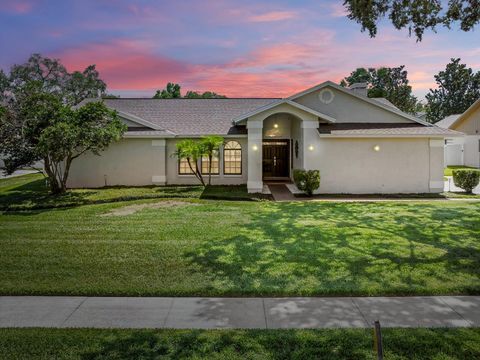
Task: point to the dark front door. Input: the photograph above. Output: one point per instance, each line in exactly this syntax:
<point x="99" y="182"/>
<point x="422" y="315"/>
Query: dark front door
<point x="276" y="154"/>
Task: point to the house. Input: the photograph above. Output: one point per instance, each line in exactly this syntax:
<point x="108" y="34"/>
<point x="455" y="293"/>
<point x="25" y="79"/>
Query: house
<point x="359" y="144"/>
<point x="464" y="150"/>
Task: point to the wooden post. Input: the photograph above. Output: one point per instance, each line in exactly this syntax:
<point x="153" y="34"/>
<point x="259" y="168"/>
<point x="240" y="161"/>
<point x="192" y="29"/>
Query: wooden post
<point x="377" y="338"/>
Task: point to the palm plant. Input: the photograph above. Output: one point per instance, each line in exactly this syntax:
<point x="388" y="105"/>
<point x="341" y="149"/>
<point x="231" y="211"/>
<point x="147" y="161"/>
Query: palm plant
<point x="191" y="151"/>
<point x="209" y="146"/>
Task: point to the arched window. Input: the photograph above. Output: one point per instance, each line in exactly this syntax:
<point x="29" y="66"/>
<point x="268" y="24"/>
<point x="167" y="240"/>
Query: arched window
<point x="232" y="158"/>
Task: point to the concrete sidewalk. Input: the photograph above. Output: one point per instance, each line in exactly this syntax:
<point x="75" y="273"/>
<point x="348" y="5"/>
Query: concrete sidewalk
<point x="260" y="313"/>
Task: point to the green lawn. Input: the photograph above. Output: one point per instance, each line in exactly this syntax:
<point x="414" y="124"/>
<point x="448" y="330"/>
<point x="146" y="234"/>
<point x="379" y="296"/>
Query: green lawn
<point x="223" y="248"/>
<point x="91" y="344"/>
<point x="30" y="192"/>
<point x="449" y="169"/>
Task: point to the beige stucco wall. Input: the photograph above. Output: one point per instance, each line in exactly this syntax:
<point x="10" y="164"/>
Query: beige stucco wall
<point x="173" y="178"/>
<point x="350" y="109"/>
<point x="131" y="162"/>
<point x="401" y="166"/>
<point x="471" y="124"/>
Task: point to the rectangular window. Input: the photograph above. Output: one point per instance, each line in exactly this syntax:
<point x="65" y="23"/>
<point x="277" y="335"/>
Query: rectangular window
<point x="215" y="164"/>
<point x="184" y="168"/>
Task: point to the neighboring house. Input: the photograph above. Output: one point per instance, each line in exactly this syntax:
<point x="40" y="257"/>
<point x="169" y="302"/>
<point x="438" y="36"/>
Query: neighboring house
<point x="359" y="144"/>
<point x="464" y="150"/>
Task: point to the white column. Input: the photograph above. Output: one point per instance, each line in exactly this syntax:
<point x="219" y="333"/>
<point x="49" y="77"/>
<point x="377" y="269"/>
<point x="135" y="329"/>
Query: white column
<point x="254" y="151"/>
<point x="310" y="144"/>
<point x="436" y="165"/>
<point x="159" y="162"/>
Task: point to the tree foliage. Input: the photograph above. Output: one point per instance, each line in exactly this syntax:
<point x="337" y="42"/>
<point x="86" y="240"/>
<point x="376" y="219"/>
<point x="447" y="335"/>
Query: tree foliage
<point x="42" y="74"/>
<point x="417" y="16"/>
<point x="173" y="91"/>
<point x="386" y="82"/>
<point x="72" y="133"/>
<point x="204" y="95"/>
<point x="40" y="118"/>
<point x="193" y="151"/>
<point x="210" y="145"/>
<point x="458" y="88"/>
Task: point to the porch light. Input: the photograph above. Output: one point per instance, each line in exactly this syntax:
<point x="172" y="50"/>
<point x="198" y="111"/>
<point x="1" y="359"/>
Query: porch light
<point x="275" y="126"/>
<point x="376" y="148"/>
<point x="254" y="147"/>
<point x="310" y="147"/>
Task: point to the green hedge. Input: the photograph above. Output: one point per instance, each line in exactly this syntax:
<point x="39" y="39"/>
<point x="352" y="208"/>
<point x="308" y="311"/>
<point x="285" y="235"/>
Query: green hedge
<point x="307" y="180"/>
<point x="466" y="179"/>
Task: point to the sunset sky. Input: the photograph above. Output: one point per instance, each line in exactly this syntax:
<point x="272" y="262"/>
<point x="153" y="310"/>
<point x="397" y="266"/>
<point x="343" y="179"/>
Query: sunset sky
<point x="237" y="48"/>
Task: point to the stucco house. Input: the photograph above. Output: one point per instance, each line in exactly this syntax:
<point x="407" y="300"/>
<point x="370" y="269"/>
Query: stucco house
<point x="359" y="144"/>
<point x="463" y="150"/>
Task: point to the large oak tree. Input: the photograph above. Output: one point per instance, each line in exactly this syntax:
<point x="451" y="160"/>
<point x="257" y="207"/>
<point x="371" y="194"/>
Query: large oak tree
<point x="458" y="88"/>
<point x="417" y="15"/>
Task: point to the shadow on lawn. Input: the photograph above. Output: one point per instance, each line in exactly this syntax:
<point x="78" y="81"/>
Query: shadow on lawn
<point x="346" y="249"/>
<point x="238" y="344"/>
<point x="283" y="344"/>
<point x="34" y="195"/>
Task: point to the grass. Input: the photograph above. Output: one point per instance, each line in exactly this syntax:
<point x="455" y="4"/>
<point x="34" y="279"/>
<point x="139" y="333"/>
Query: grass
<point x="91" y="344"/>
<point x="29" y="192"/>
<point x="449" y="169"/>
<point x="201" y="247"/>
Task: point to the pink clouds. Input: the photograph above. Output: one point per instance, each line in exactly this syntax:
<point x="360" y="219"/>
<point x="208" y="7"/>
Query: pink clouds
<point x="273" y="16"/>
<point x="125" y="64"/>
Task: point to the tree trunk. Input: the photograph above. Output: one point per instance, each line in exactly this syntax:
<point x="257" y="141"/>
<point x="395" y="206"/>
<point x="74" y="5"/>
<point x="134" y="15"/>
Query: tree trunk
<point x="57" y="181"/>
<point x="210" y="157"/>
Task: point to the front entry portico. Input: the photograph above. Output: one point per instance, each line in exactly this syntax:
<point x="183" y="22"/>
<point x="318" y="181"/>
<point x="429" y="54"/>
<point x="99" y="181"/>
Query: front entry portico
<point x="280" y="139"/>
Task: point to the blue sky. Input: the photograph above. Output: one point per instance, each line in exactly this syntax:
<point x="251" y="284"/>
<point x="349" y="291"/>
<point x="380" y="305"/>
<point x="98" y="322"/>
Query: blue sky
<point x="237" y="48"/>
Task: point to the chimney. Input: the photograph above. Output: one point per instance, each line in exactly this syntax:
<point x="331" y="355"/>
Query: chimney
<point x="359" y="88"/>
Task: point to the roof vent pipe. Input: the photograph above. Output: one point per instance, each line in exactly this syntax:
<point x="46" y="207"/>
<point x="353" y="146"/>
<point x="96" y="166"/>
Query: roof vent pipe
<point x="359" y="88"/>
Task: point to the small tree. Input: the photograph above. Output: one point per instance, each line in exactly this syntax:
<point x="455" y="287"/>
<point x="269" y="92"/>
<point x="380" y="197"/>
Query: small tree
<point x="191" y="151"/>
<point x="307" y="180"/>
<point x="210" y="145"/>
<point x="92" y="127"/>
<point x="466" y="179"/>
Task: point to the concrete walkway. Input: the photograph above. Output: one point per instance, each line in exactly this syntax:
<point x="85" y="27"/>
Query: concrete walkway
<point x="261" y="313"/>
<point x="280" y="192"/>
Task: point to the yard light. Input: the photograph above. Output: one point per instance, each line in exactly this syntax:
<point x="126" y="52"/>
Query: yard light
<point x="376" y="148"/>
<point x="310" y="147"/>
<point x="255" y="147"/>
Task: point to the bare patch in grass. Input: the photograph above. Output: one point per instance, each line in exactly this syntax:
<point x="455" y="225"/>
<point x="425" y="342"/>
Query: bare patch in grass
<point x="132" y="209"/>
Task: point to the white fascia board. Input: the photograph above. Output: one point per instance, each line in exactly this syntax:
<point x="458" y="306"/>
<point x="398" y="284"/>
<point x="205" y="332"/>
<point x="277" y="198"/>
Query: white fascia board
<point x="364" y="98"/>
<point x="280" y="102"/>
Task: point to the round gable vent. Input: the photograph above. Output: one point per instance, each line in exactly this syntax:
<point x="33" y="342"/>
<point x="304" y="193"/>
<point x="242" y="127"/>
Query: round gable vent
<point x="326" y="96"/>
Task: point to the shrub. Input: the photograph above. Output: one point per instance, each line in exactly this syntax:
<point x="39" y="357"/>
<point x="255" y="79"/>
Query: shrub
<point x="467" y="179"/>
<point x="307" y="180"/>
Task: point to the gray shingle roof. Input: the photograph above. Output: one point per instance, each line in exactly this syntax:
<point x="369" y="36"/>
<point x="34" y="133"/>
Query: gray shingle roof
<point x="190" y="116"/>
<point x="448" y="121"/>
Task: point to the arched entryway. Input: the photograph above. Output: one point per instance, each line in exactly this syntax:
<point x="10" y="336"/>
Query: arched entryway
<point x="281" y="134"/>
